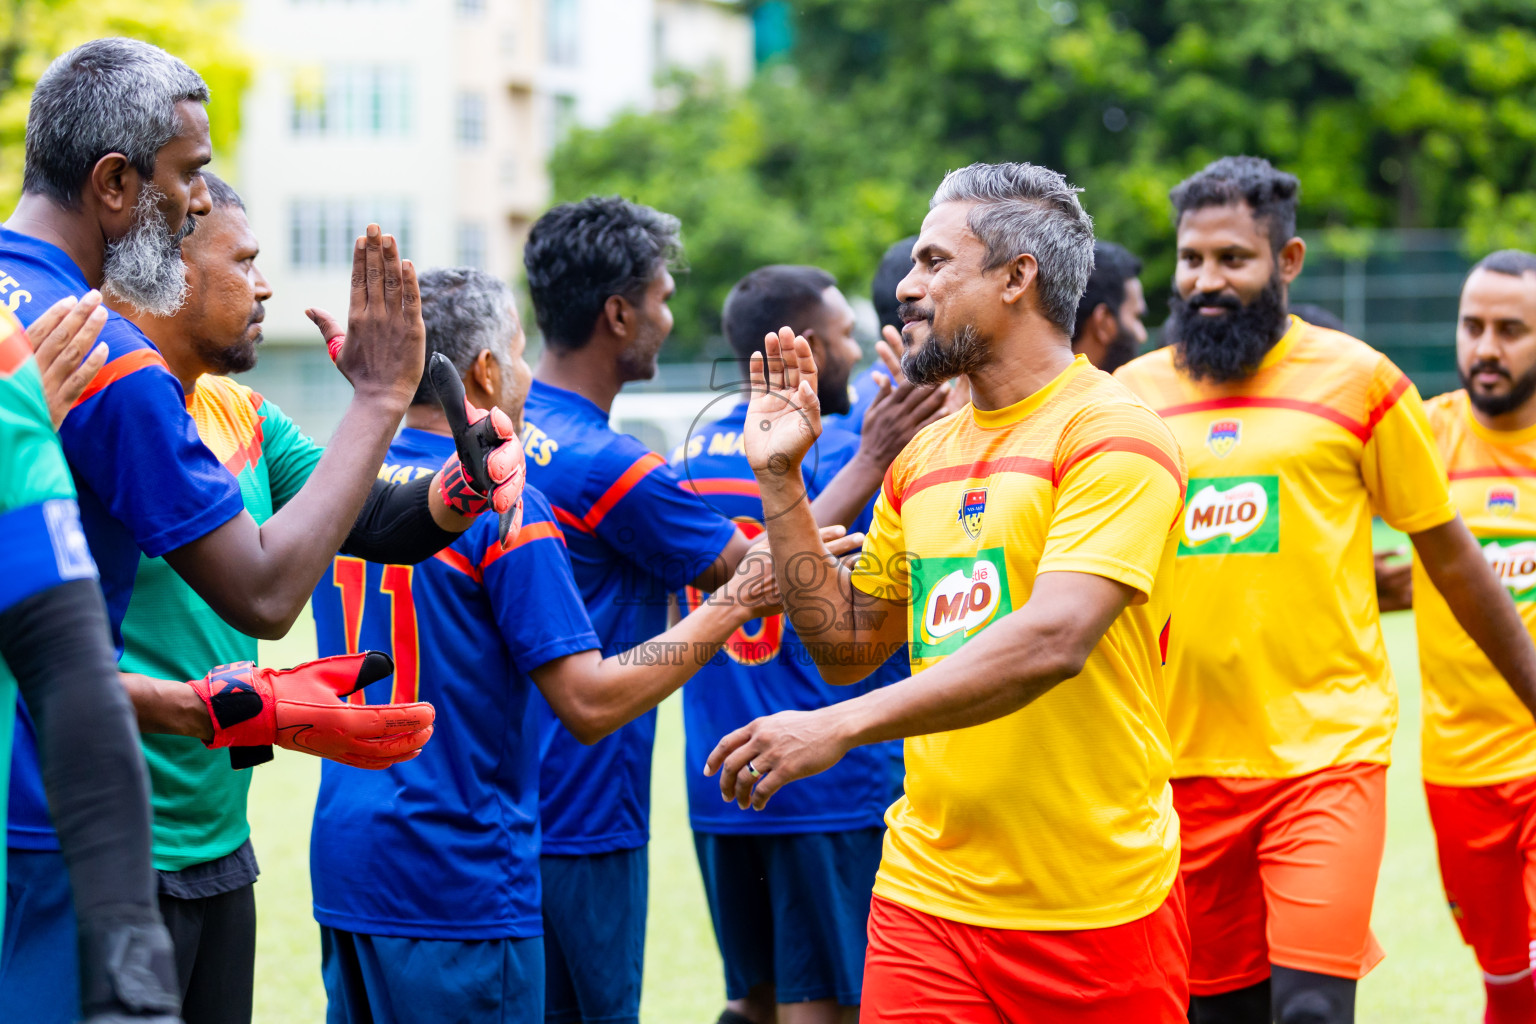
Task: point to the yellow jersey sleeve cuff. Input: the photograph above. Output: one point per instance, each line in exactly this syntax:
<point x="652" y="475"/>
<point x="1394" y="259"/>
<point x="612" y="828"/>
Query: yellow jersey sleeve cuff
<point x="1110" y="568"/>
<point x="1427" y="520"/>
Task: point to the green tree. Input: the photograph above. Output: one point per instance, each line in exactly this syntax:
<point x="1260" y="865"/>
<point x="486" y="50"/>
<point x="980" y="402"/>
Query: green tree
<point x="33" y="32"/>
<point x="1394" y="113"/>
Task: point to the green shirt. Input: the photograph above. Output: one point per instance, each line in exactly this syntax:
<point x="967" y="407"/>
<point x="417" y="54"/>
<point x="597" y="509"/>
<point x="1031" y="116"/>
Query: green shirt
<point x="171" y="633"/>
<point x="32" y="472"/>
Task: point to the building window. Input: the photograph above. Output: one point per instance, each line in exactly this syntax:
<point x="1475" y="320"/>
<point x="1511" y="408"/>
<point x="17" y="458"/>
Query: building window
<point x="321" y="232"/>
<point x="470" y="247"/>
<point x="353" y="101"/>
<point x="564" y="32"/>
<point x="469" y="119"/>
<point x="563" y="117"/>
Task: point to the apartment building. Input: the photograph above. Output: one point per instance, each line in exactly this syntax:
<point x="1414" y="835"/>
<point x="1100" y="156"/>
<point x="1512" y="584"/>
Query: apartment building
<point x="437" y="119"/>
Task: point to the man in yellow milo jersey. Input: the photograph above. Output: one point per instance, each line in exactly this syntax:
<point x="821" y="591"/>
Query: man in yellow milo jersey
<point x="1031" y="870"/>
<point x="1479" y="744"/>
<point x="1281" y="701"/>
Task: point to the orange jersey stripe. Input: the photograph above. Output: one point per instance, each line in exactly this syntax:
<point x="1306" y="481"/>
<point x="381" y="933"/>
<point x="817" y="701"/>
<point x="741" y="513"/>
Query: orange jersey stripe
<point x="119" y="368"/>
<point x="570" y="519"/>
<point x="452" y="558"/>
<point x="642" y="467"/>
<point x="1360" y="430"/>
<point x="527" y="535"/>
<point x="888" y="485"/>
<point x="745" y="487"/>
<point x="14" y="351"/>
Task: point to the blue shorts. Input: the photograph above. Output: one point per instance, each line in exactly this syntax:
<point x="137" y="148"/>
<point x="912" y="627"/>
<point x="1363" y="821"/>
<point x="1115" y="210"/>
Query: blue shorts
<point x="791" y="911"/>
<point x="39" y="975"/>
<point x="594" y="936"/>
<point x="379" y="979"/>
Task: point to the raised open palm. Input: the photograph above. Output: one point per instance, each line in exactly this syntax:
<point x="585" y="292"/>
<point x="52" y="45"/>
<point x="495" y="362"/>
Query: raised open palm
<point x="784" y="417"/>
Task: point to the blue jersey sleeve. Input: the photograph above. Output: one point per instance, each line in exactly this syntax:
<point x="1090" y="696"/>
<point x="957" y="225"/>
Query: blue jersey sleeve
<point x="641" y="508"/>
<point x="532" y="589"/>
<point x="131" y="441"/>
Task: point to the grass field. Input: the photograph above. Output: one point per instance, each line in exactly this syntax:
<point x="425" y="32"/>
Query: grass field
<point x="1428" y="974"/>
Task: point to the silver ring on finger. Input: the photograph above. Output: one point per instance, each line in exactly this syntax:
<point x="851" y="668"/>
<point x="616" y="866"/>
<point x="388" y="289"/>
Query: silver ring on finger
<point x="752" y="770"/>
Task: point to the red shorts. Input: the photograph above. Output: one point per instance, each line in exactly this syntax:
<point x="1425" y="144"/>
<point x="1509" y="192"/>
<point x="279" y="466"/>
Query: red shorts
<point x="1281" y="871"/>
<point x="1486" y="836"/>
<point x="920" y="969"/>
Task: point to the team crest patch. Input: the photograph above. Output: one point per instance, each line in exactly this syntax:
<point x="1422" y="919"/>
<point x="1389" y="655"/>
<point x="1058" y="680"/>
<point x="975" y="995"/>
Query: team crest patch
<point x="1501" y="501"/>
<point x="972" y="507"/>
<point x="1223" y="437"/>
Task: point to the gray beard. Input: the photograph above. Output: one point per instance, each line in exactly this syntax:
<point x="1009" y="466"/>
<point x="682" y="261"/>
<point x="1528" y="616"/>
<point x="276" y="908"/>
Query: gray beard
<point x="941" y="359"/>
<point x="144" y="268"/>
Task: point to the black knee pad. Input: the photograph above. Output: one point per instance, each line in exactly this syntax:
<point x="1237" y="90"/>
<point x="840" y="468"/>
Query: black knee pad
<point x="1304" y="997"/>
<point x="1249" y="1005"/>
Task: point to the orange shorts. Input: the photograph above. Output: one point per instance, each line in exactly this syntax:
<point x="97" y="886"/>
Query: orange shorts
<point x="1486" y="836"/>
<point x="920" y="969"/>
<point x="1281" y="871"/>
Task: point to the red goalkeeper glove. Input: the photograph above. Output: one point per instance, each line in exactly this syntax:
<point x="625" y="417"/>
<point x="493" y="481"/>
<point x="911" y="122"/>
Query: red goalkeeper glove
<point x="300" y="708"/>
<point x="488" y="466"/>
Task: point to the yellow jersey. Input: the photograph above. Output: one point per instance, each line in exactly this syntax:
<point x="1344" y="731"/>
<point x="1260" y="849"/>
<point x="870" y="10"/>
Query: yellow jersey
<point x="1277" y="666"/>
<point x="1058" y="816"/>
<point x="1475" y="730"/>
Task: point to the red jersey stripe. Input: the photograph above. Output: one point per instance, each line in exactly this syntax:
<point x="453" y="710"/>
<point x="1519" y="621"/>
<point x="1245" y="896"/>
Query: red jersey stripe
<point x="1007" y="464"/>
<point x="570" y="519"/>
<point x="1134" y="445"/>
<point x="639" y="470"/>
<point x="1360" y="430"/>
<point x="452" y="558"/>
<point x="888" y="485"/>
<point x="119" y="368"/>
<point x="1486" y="472"/>
<point x="1385" y="405"/>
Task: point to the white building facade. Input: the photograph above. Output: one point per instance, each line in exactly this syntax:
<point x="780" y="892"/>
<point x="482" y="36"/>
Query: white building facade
<point x="435" y="118"/>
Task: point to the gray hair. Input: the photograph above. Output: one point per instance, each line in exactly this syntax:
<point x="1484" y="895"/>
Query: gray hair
<point x="1023" y="208"/>
<point x="467" y="312"/>
<point x="221" y="193"/>
<point x="1513" y="262"/>
<point x="107" y="96"/>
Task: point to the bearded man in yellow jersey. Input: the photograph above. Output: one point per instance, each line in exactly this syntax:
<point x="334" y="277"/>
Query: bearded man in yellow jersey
<point x="1030" y="871"/>
<point x="1281" y="703"/>
<point x="1479" y="742"/>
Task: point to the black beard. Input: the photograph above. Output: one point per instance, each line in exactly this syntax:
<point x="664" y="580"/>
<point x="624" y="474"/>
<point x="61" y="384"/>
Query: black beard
<point x="1120" y="351"/>
<point x="833" y="396"/>
<point x="944" y="358"/>
<point x="1230" y="347"/>
<point x="1497" y="405"/>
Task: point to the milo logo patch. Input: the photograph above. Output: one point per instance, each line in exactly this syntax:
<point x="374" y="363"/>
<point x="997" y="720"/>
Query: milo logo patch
<point x="1231" y="515"/>
<point x="1513" y="561"/>
<point x="956" y="598"/>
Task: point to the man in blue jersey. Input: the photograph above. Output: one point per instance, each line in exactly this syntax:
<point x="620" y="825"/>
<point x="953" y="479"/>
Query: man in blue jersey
<point x="426" y="876"/>
<point x="597" y="273"/>
<point x="788" y="888"/>
<point x="117" y="136"/>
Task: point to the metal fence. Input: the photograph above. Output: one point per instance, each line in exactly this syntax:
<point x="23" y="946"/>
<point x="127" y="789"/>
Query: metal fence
<point x="1397" y="291"/>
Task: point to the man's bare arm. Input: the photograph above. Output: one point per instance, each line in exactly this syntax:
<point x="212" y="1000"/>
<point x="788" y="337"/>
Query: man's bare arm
<point x="164" y="706"/>
<point x="844" y="629"/>
<point x="592" y="695"/>
<point x="1004" y="668"/>
<point x="1456" y="567"/>
<point x="258" y="577"/>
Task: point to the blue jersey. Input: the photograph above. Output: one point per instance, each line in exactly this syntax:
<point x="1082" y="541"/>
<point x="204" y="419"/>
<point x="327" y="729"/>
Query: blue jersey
<point x="634" y="535"/>
<point x="446" y="845"/>
<point x="860" y="393"/>
<point x="765" y="668"/>
<point x="146" y="481"/>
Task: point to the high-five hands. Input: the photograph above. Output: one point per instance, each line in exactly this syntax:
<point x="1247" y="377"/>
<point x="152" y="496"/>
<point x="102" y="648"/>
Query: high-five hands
<point x="301" y="708"/>
<point x="784" y="416"/>
<point x="384" y="344"/>
<point x="899" y="409"/>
